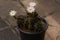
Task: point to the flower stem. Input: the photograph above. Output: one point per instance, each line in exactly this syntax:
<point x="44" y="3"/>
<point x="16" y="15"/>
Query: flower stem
<point x="15" y="17"/>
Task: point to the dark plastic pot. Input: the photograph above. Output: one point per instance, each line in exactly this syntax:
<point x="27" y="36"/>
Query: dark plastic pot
<point x="34" y="36"/>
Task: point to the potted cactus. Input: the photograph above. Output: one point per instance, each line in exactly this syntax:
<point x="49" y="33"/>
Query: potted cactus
<point x="31" y="26"/>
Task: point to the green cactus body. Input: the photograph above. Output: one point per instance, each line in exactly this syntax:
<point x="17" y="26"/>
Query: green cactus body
<point x="30" y="22"/>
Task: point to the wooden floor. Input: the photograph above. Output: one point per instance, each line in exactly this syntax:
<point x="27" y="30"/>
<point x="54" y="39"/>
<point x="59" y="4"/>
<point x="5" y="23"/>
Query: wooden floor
<point x="44" y="7"/>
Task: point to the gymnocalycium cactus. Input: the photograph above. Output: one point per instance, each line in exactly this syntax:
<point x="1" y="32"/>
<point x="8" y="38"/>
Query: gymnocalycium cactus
<point x="31" y="22"/>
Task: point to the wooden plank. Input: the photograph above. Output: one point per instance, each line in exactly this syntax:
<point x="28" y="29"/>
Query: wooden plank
<point x="53" y="29"/>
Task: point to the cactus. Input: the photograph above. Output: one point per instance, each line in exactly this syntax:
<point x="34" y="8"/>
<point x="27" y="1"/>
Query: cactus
<point x="30" y="22"/>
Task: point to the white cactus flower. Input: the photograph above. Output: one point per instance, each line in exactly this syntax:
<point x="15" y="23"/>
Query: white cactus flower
<point x="30" y="9"/>
<point x="12" y="13"/>
<point x="32" y="4"/>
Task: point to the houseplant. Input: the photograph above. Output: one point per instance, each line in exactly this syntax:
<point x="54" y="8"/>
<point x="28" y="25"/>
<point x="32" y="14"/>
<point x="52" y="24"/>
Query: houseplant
<point x="31" y="26"/>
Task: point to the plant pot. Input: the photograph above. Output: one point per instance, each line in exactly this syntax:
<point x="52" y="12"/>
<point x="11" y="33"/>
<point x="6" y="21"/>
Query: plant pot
<point x="35" y="35"/>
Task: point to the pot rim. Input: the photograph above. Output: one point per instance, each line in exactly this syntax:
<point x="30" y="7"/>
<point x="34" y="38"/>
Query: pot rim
<point x="36" y="32"/>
